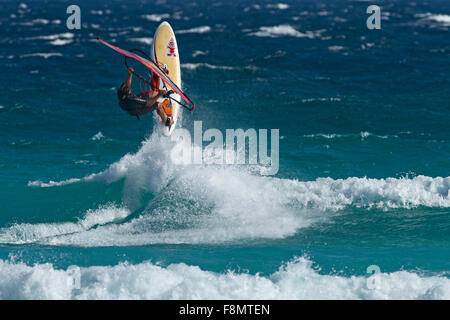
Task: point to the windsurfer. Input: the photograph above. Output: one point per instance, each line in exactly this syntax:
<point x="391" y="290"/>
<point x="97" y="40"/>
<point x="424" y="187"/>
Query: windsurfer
<point x="145" y="102"/>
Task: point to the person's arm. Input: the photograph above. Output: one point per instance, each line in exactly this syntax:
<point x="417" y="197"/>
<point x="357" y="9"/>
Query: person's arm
<point x="153" y="100"/>
<point x="130" y="77"/>
<point x="127" y="83"/>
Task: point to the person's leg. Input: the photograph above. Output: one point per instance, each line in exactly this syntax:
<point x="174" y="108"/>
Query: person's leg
<point x="143" y="95"/>
<point x="162" y="114"/>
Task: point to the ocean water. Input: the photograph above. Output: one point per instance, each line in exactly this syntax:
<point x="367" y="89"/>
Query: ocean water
<point x="364" y="169"/>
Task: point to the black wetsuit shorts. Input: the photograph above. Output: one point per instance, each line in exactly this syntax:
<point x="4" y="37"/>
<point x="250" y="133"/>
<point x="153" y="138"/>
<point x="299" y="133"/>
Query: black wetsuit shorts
<point x="135" y="105"/>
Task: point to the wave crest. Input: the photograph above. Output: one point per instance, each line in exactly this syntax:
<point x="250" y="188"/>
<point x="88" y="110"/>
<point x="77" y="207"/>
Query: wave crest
<point x="295" y="280"/>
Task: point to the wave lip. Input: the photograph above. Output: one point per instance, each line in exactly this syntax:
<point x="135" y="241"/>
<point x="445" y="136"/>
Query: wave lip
<point x="194" y="66"/>
<point x="42" y="55"/>
<point x="51" y="183"/>
<point x="98" y="136"/>
<point x="201" y="29"/>
<point x="443" y="18"/>
<point x="439" y="19"/>
<point x="144" y="40"/>
<point x="229" y="206"/>
<point x="156" y="17"/>
<point x="281" y="31"/>
<point x="61" y="42"/>
<point x="336" y="48"/>
<point x="295" y="280"/>
<point x="199" y="53"/>
<point x="60" y="39"/>
<point x="279" y="6"/>
<point x="35" y="22"/>
<point x="31" y="233"/>
<point x="363" y="134"/>
<point x="66" y="35"/>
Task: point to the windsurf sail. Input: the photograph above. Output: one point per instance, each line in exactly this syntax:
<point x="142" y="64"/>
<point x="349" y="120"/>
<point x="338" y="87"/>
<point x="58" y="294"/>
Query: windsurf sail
<point x="156" y="69"/>
<point x="153" y="82"/>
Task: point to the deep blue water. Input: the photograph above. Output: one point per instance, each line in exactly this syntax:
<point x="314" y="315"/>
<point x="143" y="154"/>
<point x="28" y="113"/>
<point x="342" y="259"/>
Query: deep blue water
<point x="364" y="153"/>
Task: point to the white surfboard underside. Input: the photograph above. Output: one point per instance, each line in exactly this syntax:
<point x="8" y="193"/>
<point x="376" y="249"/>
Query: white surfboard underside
<point x="171" y="59"/>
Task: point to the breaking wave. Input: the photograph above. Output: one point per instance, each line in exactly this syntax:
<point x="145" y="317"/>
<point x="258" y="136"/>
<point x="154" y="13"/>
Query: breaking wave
<point x="222" y="203"/>
<point x="295" y="280"/>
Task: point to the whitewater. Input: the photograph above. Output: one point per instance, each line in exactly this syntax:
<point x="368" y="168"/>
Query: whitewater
<point x="230" y="205"/>
<point x="296" y="279"/>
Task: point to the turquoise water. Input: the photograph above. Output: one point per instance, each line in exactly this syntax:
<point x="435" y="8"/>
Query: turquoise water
<point x="363" y="178"/>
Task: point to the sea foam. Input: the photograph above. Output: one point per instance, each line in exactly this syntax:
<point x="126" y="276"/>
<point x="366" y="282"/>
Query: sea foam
<point x="30" y="233"/>
<point x="295" y="280"/>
